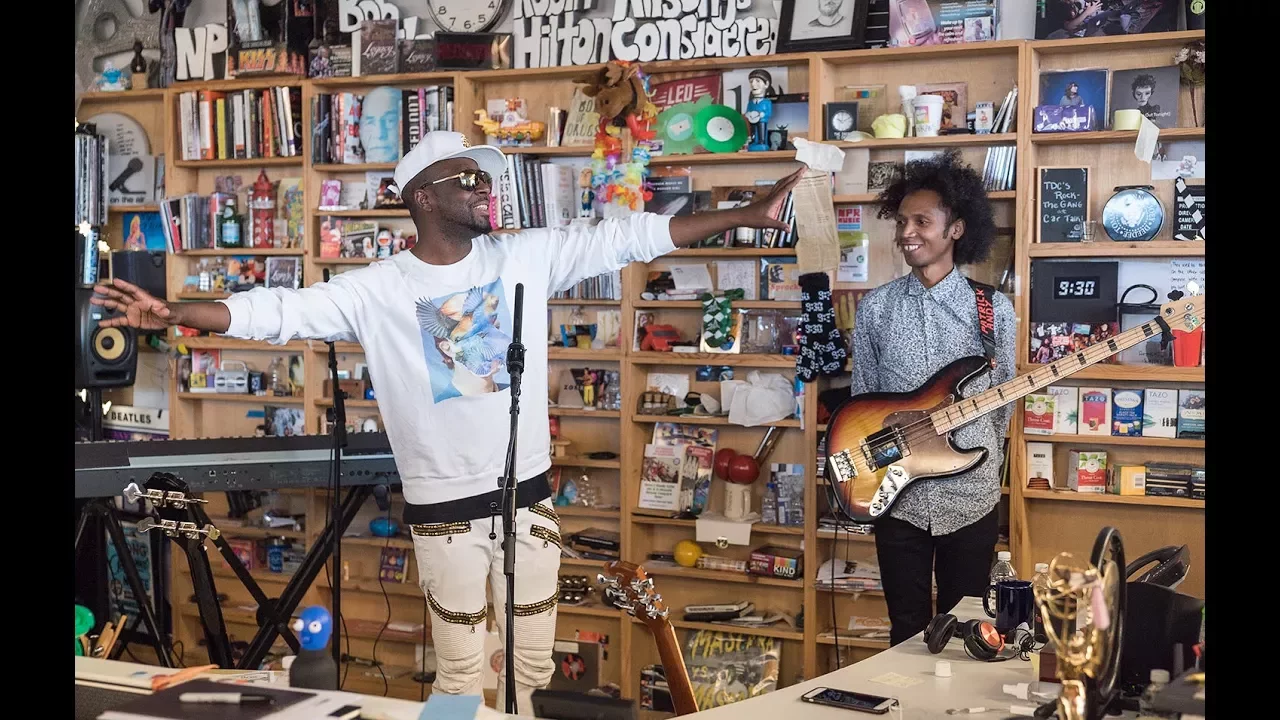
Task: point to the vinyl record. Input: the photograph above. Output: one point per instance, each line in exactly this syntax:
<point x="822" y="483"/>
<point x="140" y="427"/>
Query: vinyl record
<point x="720" y="129"/>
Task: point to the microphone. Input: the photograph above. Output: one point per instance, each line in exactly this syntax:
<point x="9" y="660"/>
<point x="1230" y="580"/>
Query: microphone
<point x="515" y="353"/>
<point x="134" y="167"/>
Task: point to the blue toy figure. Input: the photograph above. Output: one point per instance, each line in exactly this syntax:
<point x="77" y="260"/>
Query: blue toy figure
<point x="760" y="108"/>
<point x="314" y="668"/>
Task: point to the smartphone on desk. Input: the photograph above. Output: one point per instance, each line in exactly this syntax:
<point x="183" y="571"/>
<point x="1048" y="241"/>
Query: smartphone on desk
<point x="849" y="700"/>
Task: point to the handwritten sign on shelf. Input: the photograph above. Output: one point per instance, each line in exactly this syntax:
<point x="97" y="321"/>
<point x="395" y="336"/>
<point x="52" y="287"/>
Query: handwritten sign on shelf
<point x="1062" y="202"/>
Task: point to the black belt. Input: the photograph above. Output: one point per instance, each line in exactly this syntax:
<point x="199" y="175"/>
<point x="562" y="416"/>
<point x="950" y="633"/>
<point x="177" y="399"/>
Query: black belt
<point x="528" y="492"/>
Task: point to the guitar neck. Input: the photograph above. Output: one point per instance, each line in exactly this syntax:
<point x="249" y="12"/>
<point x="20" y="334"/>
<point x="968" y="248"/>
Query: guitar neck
<point x="673" y="666"/>
<point x="967" y="410"/>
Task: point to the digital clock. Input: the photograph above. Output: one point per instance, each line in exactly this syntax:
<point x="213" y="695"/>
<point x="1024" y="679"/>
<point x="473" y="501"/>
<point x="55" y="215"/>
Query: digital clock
<point x="1076" y="288"/>
<point x="472" y="16"/>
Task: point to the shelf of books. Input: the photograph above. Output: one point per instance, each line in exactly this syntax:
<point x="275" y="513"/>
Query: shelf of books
<point x="266" y="184"/>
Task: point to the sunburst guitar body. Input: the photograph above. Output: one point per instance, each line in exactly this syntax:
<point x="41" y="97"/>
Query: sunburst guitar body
<point x="880" y="444"/>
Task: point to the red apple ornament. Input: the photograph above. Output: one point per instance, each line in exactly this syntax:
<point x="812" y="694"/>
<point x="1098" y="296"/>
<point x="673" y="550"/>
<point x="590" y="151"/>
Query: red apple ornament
<point x="743" y="470"/>
<point x="723" y="457"/>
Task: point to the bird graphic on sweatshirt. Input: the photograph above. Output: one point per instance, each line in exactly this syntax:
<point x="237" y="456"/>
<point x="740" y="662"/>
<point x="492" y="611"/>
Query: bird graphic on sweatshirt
<point x="467" y="329"/>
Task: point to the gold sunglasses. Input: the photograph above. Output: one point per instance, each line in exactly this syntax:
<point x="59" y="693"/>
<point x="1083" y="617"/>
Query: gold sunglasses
<point x="468" y="179"/>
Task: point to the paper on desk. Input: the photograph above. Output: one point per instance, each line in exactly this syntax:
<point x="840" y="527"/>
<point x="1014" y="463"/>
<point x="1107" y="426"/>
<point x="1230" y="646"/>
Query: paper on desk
<point x="450" y="707"/>
<point x="818" y="246"/>
<point x="819" y="156"/>
<point x="895" y="680"/>
<point x="1148" y="135"/>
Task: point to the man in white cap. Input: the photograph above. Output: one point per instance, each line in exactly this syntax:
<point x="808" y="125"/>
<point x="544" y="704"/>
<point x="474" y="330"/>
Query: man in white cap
<point x="435" y="324"/>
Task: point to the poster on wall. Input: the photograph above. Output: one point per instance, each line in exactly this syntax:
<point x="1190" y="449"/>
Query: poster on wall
<point x="913" y="23"/>
<point x="554" y="34"/>
<point x="120" y="597"/>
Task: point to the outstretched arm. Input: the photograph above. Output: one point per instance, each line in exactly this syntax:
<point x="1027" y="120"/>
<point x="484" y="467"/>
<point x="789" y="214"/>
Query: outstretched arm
<point x="582" y="252"/>
<point x="139" y="309"/>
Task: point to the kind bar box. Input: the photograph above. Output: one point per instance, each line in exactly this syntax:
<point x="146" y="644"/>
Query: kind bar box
<point x="1066" y="408"/>
<point x="1191" y="413"/>
<point x="1037" y="414"/>
<point x="1039" y="466"/>
<point x="1095" y="411"/>
<point x="1126" y="413"/>
<point x="1089" y="472"/>
<point x="1160" y="413"/>
<point x="1128" y="480"/>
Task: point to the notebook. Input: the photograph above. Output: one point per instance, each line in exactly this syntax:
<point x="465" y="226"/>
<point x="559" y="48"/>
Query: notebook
<point x="164" y="705"/>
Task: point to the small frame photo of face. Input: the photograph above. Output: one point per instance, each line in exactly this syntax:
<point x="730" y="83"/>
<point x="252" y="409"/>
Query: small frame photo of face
<point x="809" y="25"/>
<point x="1152" y="91"/>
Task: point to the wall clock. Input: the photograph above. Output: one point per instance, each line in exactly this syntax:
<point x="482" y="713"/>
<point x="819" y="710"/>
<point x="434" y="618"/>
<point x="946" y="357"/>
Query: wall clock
<point x="1133" y="214"/>
<point x="467" y="15"/>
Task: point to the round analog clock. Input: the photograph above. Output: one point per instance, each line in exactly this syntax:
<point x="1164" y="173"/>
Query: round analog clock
<point x="1133" y="214"/>
<point x="466" y="16"/>
<point x="842" y="121"/>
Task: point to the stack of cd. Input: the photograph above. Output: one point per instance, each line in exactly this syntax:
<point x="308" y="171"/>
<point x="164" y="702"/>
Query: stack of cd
<point x="91" y="170"/>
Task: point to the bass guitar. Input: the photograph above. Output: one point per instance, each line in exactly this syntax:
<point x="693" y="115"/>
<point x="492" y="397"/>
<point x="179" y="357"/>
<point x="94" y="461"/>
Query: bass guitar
<point x="879" y="444"/>
<point x="628" y="587"/>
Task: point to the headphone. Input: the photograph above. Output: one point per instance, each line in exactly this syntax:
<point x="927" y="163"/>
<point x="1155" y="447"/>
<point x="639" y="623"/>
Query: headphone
<point x="981" y="640"/>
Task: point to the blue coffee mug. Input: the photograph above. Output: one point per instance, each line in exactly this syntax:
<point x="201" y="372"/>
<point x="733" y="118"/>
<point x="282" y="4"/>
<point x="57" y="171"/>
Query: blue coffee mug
<point x="1015" y="604"/>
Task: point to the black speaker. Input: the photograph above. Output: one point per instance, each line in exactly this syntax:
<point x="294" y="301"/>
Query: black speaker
<point x="144" y="268"/>
<point x="105" y="357"/>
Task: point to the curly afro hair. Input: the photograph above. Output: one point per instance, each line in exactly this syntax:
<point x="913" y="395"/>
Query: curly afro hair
<point x="963" y="195"/>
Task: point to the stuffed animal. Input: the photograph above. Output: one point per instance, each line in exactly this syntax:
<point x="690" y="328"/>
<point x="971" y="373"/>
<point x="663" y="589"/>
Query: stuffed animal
<point x="621" y="98"/>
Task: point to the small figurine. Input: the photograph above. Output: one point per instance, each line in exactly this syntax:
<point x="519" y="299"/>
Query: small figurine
<point x="138" y="67"/>
<point x="760" y="108"/>
<point x="514" y="128"/>
<point x="112" y="80"/>
<point x="588" y="197"/>
<point x="313" y="668"/>
<point x="262" y="211"/>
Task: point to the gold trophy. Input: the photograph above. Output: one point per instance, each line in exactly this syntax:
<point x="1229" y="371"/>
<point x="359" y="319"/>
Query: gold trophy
<point x="1082" y="606"/>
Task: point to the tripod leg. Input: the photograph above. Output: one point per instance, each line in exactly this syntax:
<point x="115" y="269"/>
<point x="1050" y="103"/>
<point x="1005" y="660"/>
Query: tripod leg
<point x="202" y="519"/>
<point x="215" y="629"/>
<point x="135" y="585"/>
<point x="311" y="566"/>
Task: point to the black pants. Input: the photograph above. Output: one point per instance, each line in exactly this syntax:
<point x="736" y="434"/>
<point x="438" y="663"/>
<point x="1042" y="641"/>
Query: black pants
<point x="907" y="555"/>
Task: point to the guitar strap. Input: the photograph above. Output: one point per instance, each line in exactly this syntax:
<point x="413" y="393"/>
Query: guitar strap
<point x="986" y="319"/>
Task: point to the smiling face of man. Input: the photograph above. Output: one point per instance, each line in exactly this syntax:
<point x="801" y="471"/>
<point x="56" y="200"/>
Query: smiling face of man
<point x="448" y="202"/>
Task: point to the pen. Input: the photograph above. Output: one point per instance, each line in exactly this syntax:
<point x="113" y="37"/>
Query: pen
<point x="228" y="698"/>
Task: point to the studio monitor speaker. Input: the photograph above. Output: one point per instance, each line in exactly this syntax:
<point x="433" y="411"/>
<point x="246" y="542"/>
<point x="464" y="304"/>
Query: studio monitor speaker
<point x="105" y="357"/>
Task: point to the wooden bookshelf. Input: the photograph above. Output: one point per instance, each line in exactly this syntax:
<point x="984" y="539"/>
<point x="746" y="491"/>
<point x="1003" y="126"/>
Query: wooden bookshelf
<point x="1041" y="524"/>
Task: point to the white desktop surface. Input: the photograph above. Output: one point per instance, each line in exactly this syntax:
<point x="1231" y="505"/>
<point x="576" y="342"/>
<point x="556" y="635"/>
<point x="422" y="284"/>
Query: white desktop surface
<point x="972" y="684"/>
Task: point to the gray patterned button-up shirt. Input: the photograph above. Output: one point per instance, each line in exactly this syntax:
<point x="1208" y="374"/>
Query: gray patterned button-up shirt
<point x="903" y="334"/>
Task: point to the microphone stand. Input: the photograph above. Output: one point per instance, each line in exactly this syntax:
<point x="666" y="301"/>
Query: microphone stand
<point x="515" y="368"/>
<point x="339" y="441"/>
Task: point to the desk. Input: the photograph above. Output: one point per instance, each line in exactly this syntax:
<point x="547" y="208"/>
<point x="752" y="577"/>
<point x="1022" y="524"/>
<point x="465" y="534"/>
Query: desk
<point x="972" y="684"/>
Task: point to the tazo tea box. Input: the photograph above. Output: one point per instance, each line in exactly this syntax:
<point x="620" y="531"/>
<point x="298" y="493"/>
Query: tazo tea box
<point x="1066" y="408"/>
<point x="1126" y="413"/>
<point x="1090" y="473"/>
<point x="1037" y="414"/>
<point x="1160" y="413"/>
<point x="1191" y="413"/>
<point x="1095" y="411"/>
<point x="1039" y="466"/>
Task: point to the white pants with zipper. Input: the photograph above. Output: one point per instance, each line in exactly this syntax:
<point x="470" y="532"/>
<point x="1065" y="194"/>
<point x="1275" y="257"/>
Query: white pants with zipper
<point x="456" y="560"/>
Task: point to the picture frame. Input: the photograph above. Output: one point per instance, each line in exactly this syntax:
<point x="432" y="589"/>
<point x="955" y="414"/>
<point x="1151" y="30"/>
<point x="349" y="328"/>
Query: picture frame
<point x="816" y="25"/>
<point x="283" y="272"/>
<point x="1054" y="226"/>
<point x="1152" y="91"/>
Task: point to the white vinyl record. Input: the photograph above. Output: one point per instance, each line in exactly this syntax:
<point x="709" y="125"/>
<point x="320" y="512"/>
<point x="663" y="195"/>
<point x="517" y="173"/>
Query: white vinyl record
<point x="124" y="135"/>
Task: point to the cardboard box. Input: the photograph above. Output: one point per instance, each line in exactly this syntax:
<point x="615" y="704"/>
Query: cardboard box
<point x="1160" y="413"/>
<point x="1191" y="413"/>
<point x="1038" y="414"/>
<point x="1128" y="480"/>
<point x="1095" y="411"/>
<point x="1066" y="408"/>
<point x="353" y="388"/>
<point x="1126" y="413"/>
<point x="1089" y="472"/>
<point x="1039" y="466"/>
<point x="779" y="562"/>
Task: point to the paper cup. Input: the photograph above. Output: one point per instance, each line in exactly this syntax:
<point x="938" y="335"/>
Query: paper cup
<point x="1126" y="120"/>
<point x="928" y="115"/>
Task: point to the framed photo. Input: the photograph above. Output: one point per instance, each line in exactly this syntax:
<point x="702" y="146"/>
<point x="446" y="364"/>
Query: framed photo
<point x="808" y="25"/>
<point x="1153" y="92"/>
<point x="283" y="272"/>
<point x="1085" y="88"/>
<point x="1062" y="19"/>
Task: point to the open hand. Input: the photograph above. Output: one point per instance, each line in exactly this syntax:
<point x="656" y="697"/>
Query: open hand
<point x="764" y="209"/>
<point x="137" y="308"/>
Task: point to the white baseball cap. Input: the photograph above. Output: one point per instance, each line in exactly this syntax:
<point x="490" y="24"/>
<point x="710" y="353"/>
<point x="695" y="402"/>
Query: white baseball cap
<point x="440" y="145"/>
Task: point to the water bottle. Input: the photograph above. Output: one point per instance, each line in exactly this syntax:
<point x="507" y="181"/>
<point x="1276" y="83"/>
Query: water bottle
<point x="278" y="377"/>
<point x="1159" y="678"/>
<point x="1002" y="570"/>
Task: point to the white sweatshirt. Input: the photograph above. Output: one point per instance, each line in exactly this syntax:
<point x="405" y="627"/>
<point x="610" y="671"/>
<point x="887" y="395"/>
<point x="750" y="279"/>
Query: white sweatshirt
<point x="435" y="339"/>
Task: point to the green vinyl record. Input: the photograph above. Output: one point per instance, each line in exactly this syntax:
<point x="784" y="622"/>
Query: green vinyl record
<point x="720" y="129"/>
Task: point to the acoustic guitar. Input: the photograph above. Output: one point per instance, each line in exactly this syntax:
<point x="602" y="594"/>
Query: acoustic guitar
<point x="879" y="444"/>
<point x="628" y="587"/>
